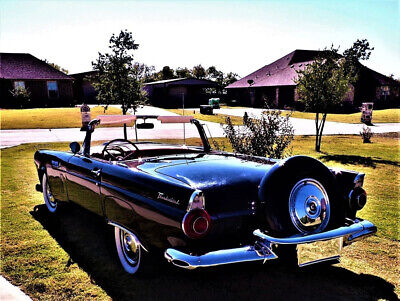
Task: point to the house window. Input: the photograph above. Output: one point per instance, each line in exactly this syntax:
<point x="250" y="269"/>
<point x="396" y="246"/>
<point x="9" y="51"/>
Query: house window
<point x="19" y="84"/>
<point x="52" y="89"/>
<point x="385" y="90"/>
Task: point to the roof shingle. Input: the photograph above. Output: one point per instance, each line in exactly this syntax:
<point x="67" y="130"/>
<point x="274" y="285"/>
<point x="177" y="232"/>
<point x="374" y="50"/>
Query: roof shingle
<point x="283" y="72"/>
<point x="26" y="66"/>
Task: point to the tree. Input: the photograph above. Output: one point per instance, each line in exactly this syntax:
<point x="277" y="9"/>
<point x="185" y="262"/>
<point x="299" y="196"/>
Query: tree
<point x="199" y="71"/>
<point x="55" y="66"/>
<point x="324" y="83"/>
<point x="183" y="72"/>
<point x="230" y="78"/>
<point x="143" y="73"/>
<point x="117" y="79"/>
<point x="218" y="76"/>
<point x="166" y="73"/>
<point x="267" y="136"/>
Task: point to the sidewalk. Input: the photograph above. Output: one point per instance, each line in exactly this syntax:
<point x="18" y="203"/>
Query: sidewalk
<point x="9" y="292"/>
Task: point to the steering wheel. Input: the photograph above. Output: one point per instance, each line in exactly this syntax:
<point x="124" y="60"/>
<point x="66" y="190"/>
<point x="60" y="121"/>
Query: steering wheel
<point x="108" y="147"/>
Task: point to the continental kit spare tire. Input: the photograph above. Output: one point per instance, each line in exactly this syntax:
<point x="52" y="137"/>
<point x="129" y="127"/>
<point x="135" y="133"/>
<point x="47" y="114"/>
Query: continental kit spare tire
<point x="298" y="196"/>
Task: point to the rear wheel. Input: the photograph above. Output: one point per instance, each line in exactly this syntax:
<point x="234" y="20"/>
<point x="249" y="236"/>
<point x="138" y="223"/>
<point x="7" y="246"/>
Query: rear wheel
<point x="50" y="201"/>
<point x="129" y="250"/>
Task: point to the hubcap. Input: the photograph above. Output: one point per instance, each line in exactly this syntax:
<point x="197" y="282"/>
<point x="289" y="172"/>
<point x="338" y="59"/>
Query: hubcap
<point x="130" y="248"/>
<point x="50" y="197"/>
<point x="309" y="206"/>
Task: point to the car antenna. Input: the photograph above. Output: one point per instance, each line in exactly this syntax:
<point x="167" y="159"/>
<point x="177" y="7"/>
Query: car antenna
<point x="183" y="113"/>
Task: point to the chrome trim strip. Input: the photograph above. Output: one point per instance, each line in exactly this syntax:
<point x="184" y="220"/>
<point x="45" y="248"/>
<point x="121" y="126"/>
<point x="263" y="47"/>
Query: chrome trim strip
<point x="111" y="223"/>
<point x="351" y="233"/>
<point x="247" y="253"/>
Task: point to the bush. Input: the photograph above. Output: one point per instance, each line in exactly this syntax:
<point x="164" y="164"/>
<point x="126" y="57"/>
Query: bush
<point x="267" y="136"/>
<point x="366" y="134"/>
<point x="22" y="97"/>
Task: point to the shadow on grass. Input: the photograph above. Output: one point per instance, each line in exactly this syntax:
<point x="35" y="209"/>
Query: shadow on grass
<point x="89" y="243"/>
<point x="357" y="160"/>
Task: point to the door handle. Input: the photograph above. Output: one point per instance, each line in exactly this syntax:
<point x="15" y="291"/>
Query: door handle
<point x="96" y="172"/>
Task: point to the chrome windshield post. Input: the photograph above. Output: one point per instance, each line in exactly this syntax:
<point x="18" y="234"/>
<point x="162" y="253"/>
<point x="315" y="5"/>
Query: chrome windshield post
<point x="89" y="129"/>
<point x="203" y="136"/>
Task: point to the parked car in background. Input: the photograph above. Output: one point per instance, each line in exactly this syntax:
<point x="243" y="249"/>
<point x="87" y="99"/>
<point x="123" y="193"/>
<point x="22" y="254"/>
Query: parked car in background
<point x="204" y="207"/>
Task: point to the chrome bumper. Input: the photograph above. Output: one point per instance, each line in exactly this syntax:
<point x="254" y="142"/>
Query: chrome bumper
<point x="262" y="249"/>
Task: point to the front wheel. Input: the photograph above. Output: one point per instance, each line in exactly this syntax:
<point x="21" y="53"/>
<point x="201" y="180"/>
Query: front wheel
<point x="129" y="251"/>
<point x="50" y="201"/>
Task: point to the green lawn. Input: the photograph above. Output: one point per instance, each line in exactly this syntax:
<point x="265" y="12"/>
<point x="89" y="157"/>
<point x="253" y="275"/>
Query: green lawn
<point x="71" y="256"/>
<point x="49" y="118"/>
<point x="378" y="116"/>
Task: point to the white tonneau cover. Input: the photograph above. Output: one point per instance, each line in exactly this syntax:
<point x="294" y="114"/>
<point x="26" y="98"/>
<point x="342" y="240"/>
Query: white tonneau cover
<point x="120" y="119"/>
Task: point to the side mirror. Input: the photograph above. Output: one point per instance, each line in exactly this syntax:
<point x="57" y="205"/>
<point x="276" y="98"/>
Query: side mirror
<point x="75" y="147"/>
<point x="145" y="125"/>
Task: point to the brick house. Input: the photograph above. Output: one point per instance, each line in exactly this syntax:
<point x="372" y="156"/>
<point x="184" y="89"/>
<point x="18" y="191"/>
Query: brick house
<point x="48" y="87"/>
<point x="84" y="92"/>
<point x="276" y="83"/>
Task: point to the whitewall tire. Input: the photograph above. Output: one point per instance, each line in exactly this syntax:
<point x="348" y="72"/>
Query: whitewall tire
<point x="50" y="201"/>
<point x="129" y="250"/>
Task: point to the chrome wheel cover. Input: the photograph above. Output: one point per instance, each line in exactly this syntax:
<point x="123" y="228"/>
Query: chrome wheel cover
<point x="49" y="199"/>
<point x="309" y="206"/>
<point x="130" y="248"/>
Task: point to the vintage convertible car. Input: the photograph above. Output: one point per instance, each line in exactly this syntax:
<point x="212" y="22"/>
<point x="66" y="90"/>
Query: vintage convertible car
<point x="204" y="207"/>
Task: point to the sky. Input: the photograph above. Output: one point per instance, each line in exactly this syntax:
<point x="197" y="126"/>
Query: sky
<point x="238" y="36"/>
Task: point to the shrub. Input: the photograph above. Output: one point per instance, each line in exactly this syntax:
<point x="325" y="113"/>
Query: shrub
<point x="22" y="97"/>
<point x="366" y="134"/>
<point x="267" y="136"/>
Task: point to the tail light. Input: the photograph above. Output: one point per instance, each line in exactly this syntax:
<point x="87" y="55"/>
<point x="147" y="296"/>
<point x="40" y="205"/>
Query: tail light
<point x="197" y="221"/>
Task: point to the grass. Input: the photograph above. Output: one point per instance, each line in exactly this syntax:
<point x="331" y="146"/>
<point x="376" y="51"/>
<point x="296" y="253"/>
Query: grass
<point x="71" y="256"/>
<point x="218" y="118"/>
<point x="378" y="116"/>
<point x="49" y="118"/>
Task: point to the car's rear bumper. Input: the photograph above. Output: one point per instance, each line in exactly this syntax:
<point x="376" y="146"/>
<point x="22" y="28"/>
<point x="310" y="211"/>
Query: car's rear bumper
<point x="262" y="249"/>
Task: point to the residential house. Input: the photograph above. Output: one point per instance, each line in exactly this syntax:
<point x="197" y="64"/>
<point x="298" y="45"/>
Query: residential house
<point x="84" y="91"/>
<point x="172" y="93"/>
<point x="275" y="83"/>
<point x="48" y="87"/>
